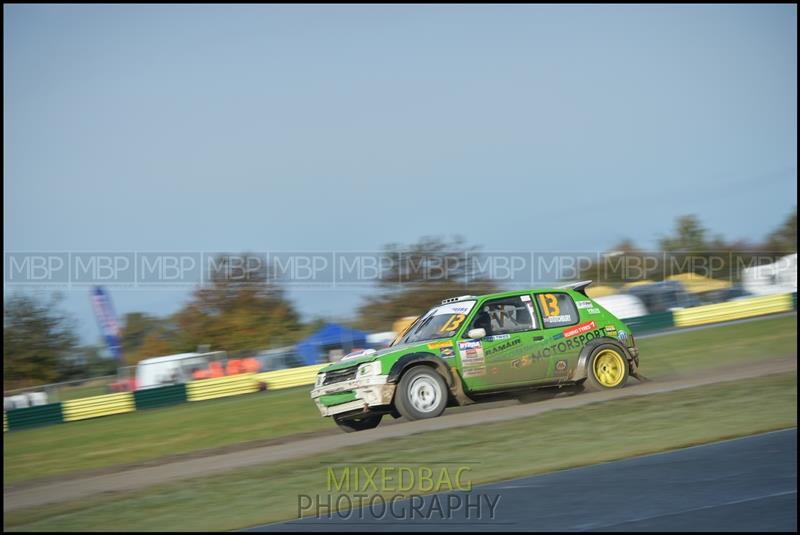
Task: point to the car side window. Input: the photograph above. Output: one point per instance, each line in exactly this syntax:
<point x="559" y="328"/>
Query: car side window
<point x="505" y="315"/>
<point x="558" y="309"/>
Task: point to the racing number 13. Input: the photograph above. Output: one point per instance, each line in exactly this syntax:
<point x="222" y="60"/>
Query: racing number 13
<point x="452" y="323"/>
<point x="549" y="304"/>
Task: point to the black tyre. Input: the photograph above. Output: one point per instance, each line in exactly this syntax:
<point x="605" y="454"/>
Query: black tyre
<point x="607" y="369"/>
<point x="421" y="393"/>
<point x="360" y="423"/>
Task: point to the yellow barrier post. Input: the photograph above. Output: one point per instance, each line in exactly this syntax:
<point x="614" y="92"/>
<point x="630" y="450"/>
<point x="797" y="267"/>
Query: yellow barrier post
<point x="92" y="407"/>
<point x="732" y="310"/>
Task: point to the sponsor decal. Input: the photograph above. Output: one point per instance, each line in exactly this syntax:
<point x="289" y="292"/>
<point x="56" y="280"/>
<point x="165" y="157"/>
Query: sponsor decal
<point x="560" y="345"/>
<point x="497" y="337"/>
<point x="610" y="330"/>
<point x="446" y="352"/>
<point x="503" y="347"/>
<point x="522" y="363"/>
<point x="471" y="357"/>
<point x="561" y="318"/>
<point x="455" y="308"/>
<point x="439" y="345"/>
<point x="471" y="353"/>
<point x="622" y="336"/>
<point x="474" y="372"/>
<point x="561" y="365"/>
<point x="579" y="329"/>
<point x="494" y="370"/>
<point x="584" y="304"/>
<point x="525" y="297"/>
<point x="593" y="310"/>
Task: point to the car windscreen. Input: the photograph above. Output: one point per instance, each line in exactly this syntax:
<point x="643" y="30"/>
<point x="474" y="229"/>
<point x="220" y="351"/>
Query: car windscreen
<point x="439" y="322"/>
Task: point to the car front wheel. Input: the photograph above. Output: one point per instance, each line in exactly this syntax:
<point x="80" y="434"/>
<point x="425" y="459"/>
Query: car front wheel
<point x="421" y="393"/>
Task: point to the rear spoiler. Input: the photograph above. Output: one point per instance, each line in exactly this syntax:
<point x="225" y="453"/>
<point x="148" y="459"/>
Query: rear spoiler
<point x="577" y="286"/>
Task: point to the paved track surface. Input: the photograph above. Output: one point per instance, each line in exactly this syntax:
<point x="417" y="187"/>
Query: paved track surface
<point x="747" y="484"/>
<point x="42" y="493"/>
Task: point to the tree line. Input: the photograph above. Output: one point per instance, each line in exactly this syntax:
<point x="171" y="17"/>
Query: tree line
<point x="241" y="309"/>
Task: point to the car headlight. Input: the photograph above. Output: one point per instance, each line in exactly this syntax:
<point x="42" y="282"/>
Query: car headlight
<point x="320" y="380"/>
<point x="369" y="369"/>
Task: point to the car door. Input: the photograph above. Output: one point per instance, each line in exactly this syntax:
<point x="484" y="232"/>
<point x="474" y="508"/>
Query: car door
<point x="563" y="335"/>
<point x="501" y="358"/>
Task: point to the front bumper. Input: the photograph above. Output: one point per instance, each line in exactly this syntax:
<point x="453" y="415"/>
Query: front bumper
<point x="369" y="392"/>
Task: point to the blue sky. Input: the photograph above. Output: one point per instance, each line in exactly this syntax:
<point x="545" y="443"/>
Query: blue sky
<point x="207" y="128"/>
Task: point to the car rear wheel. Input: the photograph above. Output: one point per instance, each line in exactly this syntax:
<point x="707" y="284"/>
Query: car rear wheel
<point x="607" y="369"/>
<point x="421" y="393"/>
<point x="361" y="423"/>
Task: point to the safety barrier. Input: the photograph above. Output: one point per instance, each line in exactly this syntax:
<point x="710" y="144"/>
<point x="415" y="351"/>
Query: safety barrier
<point x="289" y="378"/>
<point x="161" y="396"/>
<point x="221" y="387"/>
<point x="34" y="416"/>
<point x="650" y="323"/>
<point x="84" y="408"/>
<point x="731" y="310"/>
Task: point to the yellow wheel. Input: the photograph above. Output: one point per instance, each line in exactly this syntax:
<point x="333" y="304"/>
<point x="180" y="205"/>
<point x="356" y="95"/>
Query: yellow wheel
<point x="607" y="369"/>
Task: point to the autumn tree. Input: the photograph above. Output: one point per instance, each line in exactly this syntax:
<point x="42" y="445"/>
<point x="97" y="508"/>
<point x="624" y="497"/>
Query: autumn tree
<point x="85" y="362"/>
<point x="37" y="339"/>
<point x="144" y="336"/>
<point x="418" y="276"/>
<point x="240" y="308"/>
<point x="689" y="236"/>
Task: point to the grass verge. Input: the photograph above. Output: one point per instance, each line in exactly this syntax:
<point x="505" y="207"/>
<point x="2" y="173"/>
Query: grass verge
<point x="555" y="440"/>
<point x="193" y="427"/>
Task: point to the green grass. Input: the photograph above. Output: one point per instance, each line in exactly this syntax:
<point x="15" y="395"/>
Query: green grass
<point x="719" y="346"/>
<point x="155" y="433"/>
<point x="150" y="434"/>
<point x="574" y="437"/>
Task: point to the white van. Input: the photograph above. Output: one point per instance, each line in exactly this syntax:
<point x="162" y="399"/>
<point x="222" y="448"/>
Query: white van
<point x="172" y="369"/>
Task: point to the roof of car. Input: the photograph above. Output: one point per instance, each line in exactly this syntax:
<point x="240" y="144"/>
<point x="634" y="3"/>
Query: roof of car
<point x="577" y="286"/>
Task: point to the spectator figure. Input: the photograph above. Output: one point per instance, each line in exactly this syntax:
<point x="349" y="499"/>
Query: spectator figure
<point x="198" y="374"/>
<point x="251" y="365"/>
<point x="215" y="369"/>
<point x="235" y="366"/>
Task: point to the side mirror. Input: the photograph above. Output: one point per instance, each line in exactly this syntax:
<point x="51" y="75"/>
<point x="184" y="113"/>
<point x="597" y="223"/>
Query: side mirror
<point x="476" y="334"/>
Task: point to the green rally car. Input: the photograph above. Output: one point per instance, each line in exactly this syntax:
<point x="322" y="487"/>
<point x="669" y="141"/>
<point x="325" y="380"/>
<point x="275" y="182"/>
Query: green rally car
<point x="470" y="348"/>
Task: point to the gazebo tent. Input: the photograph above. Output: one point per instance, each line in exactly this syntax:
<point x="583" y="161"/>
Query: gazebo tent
<point x="634" y="284"/>
<point x="696" y="284"/>
<point x="331" y="336"/>
<point x="600" y="291"/>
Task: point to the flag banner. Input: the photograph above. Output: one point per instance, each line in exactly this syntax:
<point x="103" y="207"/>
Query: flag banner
<point x="107" y="320"/>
